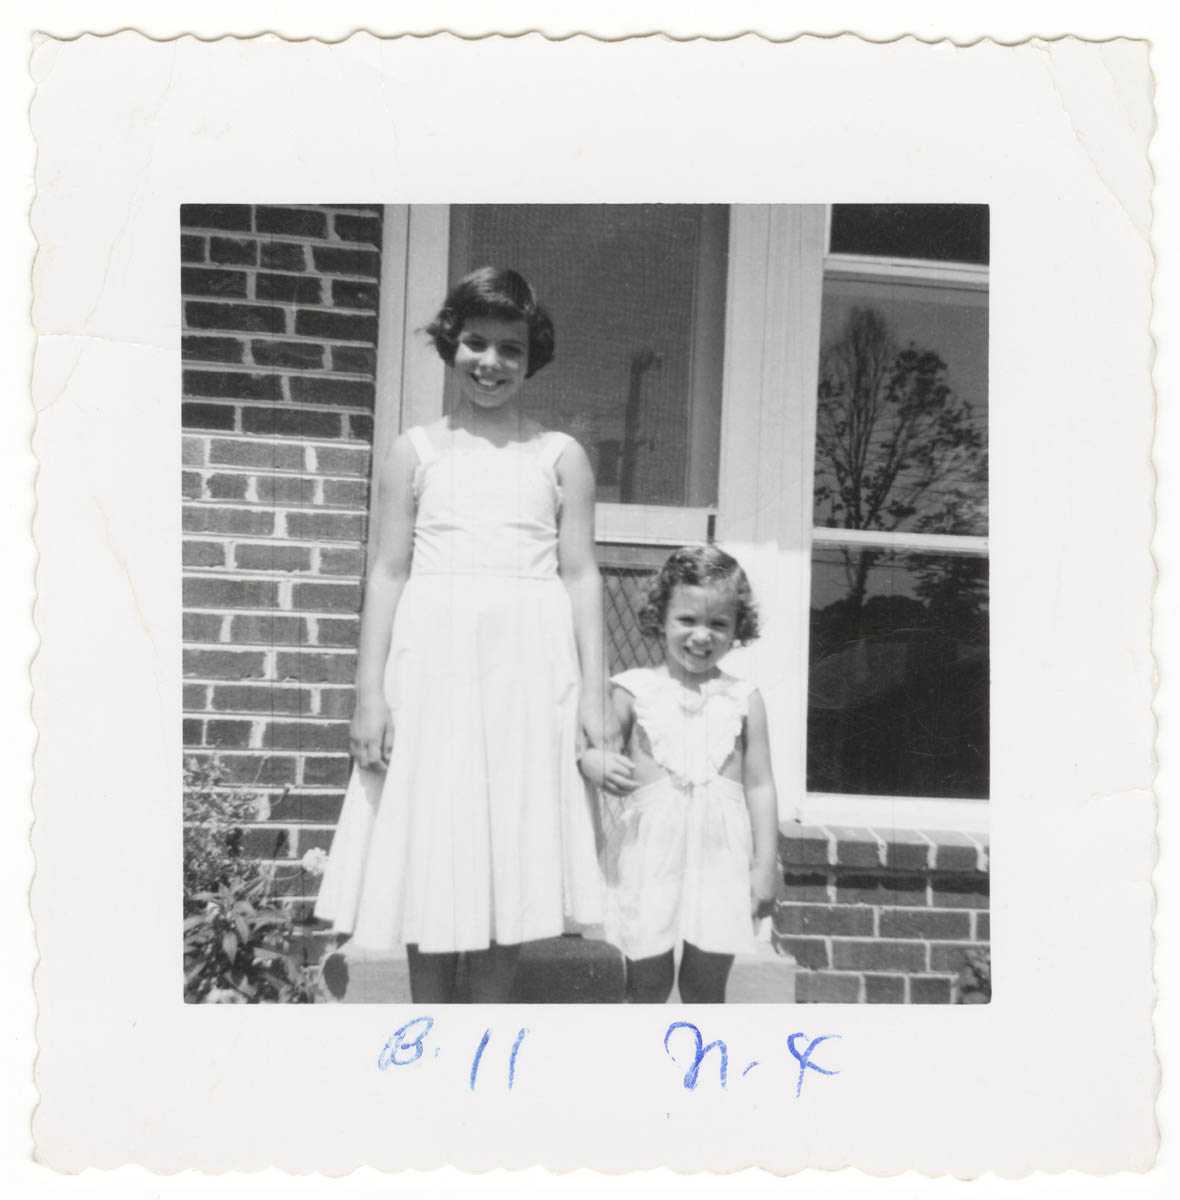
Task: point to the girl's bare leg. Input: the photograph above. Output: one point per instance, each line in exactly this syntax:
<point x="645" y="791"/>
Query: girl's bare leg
<point x="491" y="973"/>
<point x="433" y="977"/>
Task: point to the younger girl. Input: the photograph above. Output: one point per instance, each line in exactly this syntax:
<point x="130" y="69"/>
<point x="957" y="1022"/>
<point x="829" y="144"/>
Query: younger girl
<point x="465" y="829"/>
<point x="690" y="844"/>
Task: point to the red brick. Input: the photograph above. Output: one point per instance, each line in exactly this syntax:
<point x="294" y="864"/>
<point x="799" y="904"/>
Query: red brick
<point x="334" y="527"/>
<point x="807" y="951"/>
<point x="924" y="923"/>
<point x="257" y="770"/>
<point x="203" y="554"/>
<point x="847" y="919"/>
<point x="202" y="627"/>
<point x="360" y="427"/>
<point x="192" y="248"/>
<point x="285" y="489"/>
<point x="192" y="732"/>
<point x="253" y="452"/>
<point x="294" y="881"/>
<point x="337" y="702"/>
<point x="355" y="359"/>
<point x="295" y="222"/>
<point x="348" y="294"/>
<point x="342" y="561"/>
<point x="283" y="256"/>
<point x="212" y="281"/>
<point x="269" y="628"/>
<point x="212" y="349"/>
<point x="802" y="886"/>
<point x="261" y="841"/>
<point x="983" y="926"/>
<point x="207" y="416"/>
<point x="906" y="849"/>
<point x="191" y="485"/>
<point x="335" y="260"/>
<point x="332" y="631"/>
<point x="297" y="355"/>
<point x="327" y="770"/>
<point x="232" y="385"/>
<point x="963" y="891"/>
<point x="343" y="460"/>
<point x="341" y="327"/>
<point x="950" y="956"/>
<point x="327" y="597"/>
<point x="930" y="990"/>
<point x="224" y="664"/>
<point x="883" y="888"/>
<point x="315" y="839"/>
<point x="226" y="487"/>
<point x="215" y="216"/>
<point x="954" y="851"/>
<point x="346" y="493"/>
<point x="310" y="667"/>
<point x="308" y="806"/>
<point x="264" y="698"/>
<point x="192" y="451"/>
<point x="227" y="735"/>
<point x="250" y="318"/>
<point x="879" y="955"/>
<point x="292" y="422"/>
<point x="358" y="229"/>
<point x="288" y="289"/>
<point x="306" y="735"/>
<point x="884" y="989"/>
<point x="803" y="845"/>
<point x="856" y="847"/>
<point x="322" y="389"/>
<point x="826" y="987"/>
<point x="195" y="697"/>
<point x="230" y="593"/>
<point x="242" y="252"/>
<point x="266" y="556"/>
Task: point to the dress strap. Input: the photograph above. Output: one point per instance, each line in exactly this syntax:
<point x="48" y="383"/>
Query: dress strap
<point x="553" y="445"/>
<point x="421" y="443"/>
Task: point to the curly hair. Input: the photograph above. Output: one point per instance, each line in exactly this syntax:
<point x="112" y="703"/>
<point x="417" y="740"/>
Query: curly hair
<point x="493" y="292"/>
<point x="700" y="566"/>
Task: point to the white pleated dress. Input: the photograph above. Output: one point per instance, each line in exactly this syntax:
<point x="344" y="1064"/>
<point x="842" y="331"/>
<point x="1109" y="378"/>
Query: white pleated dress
<point x="482" y="828"/>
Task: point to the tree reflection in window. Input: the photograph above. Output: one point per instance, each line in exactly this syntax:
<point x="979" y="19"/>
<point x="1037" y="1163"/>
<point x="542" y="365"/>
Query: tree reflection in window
<point x="898" y="649"/>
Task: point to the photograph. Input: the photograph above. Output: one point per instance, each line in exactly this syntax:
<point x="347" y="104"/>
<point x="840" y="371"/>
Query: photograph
<point x="585" y="603"/>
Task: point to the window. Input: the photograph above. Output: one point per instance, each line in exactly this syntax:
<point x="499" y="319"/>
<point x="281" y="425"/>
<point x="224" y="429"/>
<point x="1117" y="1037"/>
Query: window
<point x="898" y="647"/>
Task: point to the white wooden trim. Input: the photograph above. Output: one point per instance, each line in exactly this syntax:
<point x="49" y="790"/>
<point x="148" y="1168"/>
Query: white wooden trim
<point x="651" y="524"/>
<point x="916" y="271"/>
<point x="896" y="812"/>
<point x="427" y="275"/>
<point x="900" y="540"/>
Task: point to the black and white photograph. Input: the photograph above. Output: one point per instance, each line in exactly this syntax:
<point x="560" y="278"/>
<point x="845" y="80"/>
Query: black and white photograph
<point x="478" y="500"/>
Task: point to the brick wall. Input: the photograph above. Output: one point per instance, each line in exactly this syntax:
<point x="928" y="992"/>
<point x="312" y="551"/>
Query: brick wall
<point x="279" y="355"/>
<point x="881" y="915"/>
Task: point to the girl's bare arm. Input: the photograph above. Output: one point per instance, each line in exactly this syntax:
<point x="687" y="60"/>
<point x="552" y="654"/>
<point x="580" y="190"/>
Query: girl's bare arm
<point x="579" y="573"/>
<point x="762" y="801"/>
<point x="610" y="770"/>
<point x="371" y="734"/>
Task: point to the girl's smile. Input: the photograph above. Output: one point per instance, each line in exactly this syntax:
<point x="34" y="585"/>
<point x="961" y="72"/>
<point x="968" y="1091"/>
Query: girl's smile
<point x="491" y="360"/>
<point x="699" y="629"/>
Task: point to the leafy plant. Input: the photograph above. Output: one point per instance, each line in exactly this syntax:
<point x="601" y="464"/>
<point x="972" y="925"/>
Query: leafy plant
<point x="974" y="984"/>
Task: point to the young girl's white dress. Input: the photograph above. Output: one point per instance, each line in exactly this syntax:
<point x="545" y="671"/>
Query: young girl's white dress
<point x="678" y="851"/>
<point x="481" y="829"/>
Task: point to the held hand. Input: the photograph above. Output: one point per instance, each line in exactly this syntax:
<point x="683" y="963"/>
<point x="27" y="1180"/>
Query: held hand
<point x="763" y="888"/>
<point x="608" y="771"/>
<point x="371" y="735"/>
<point x="600" y="722"/>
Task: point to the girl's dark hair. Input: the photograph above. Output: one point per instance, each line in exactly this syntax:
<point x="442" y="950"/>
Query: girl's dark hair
<point x="493" y="292"/>
<point x="700" y="566"/>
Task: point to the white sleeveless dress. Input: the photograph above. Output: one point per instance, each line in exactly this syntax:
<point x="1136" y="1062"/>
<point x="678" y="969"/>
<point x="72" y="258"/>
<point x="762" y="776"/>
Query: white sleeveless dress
<point x="678" y="850"/>
<point x="481" y="829"/>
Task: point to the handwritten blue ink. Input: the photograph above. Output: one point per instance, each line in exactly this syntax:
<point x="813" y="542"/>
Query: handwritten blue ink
<point x="483" y="1045"/>
<point x="804" y="1059"/>
<point x="692" y="1075"/>
<point x="749" y="1069"/>
<point x="512" y="1058"/>
<point x="397" y="1043"/>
